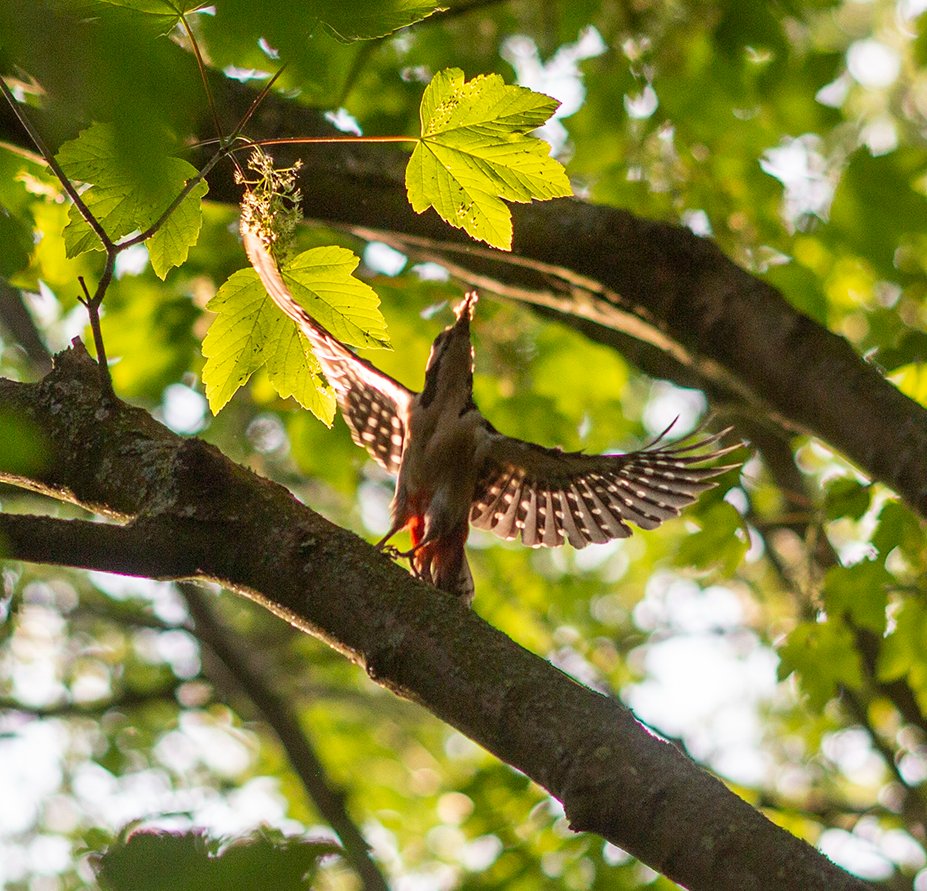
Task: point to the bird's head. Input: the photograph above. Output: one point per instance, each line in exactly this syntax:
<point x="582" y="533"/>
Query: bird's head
<point x="450" y="365"/>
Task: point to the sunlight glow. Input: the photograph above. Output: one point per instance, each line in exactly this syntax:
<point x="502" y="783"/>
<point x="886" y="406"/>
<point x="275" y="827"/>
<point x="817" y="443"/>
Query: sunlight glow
<point x="560" y="76"/>
<point x="873" y="64"/>
<point x="382" y="258"/>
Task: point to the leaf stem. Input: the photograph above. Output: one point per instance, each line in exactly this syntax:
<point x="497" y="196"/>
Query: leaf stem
<point x="255" y="104"/>
<point x="201" y="67"/>
<point x="313" y="140"/>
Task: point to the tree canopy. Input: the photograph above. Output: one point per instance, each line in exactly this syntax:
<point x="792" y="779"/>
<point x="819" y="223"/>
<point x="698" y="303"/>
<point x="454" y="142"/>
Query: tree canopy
<point x="707" y="210"/>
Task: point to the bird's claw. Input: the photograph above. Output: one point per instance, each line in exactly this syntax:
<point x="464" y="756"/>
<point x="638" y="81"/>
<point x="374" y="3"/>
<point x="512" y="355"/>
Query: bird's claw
<point x="391" y="551"/>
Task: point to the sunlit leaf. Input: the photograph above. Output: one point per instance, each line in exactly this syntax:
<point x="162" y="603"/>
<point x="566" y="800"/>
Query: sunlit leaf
<point x="124" y="198"/>
<point x="362" y="20"/>
<point x="474" y="152"/>
<point x="294" y="371"/>
<point x="250" y="331"/>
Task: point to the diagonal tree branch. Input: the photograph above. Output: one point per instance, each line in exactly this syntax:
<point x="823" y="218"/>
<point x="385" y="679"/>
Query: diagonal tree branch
<point x="191" y="510"/>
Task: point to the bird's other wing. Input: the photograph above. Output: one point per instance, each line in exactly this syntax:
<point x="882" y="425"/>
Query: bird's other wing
<point x="548" y="496"/>
<point x="375" y="406"/>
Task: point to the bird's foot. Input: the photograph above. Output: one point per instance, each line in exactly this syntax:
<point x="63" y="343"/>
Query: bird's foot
<point x="391" y="551"/>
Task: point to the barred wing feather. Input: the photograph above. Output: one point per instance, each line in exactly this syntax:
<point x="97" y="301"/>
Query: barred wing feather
<point x="375" y="405"/>
<point x="548" y="496"/>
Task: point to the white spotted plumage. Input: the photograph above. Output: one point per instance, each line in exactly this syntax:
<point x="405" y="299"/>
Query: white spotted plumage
<point x="455" y="469"/>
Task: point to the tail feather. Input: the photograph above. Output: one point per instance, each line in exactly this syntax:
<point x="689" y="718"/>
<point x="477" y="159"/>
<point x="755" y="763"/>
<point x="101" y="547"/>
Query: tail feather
<point x="442" y="562"/>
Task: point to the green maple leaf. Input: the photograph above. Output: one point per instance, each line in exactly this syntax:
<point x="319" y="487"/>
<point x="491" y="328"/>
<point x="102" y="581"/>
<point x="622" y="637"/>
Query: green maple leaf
<point x="347" y="20"/>
<point x="474" y="154"/>
<point x="125" y="199"/>
<point x="250" y="332"/>
<point x="163" y="15"/>
<point x="362" y="20"/>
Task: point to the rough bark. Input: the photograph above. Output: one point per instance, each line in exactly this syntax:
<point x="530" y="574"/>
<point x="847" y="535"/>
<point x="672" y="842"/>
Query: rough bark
<point x="193" y="513"/>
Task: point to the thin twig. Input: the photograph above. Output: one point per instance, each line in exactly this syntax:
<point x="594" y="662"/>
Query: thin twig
<point x="256" y="103"/>
<point x="92" y="304"/>
<point x="201" y="66"/>
<point x="189" y="186"/>
<point x="316" y="140"/>
<point x="68" y="186"/>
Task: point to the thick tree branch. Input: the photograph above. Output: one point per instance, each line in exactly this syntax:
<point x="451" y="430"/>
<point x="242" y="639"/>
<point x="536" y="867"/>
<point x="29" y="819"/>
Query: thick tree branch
<point x="193" y="511"/>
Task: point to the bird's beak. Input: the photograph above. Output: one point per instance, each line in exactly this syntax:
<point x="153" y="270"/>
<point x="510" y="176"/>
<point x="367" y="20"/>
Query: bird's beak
<point x="464" y="309"/>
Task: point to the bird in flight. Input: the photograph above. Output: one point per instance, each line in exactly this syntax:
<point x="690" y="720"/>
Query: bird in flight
<point x="454" y="469"/>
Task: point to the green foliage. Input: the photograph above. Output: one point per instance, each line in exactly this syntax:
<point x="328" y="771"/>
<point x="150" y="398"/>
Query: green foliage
<point x="15" y="244"/>
<point x="675" y="120"/>
<point x="358" y="20"/>
<point x="721" y="542"/>
<point x="859" y="592"/>
<point x="847" y="497"/>
<point x="162" y="14"/>
<point x="320" y="42"/>
<point x="250" y="331"/>
<point x="23" y="450"/>
<point x="266" y="860"/>
<point x="124" y="197"/>
<point x="474" y="152"/>
<point x="150" y="325"/>
<point x="824" y="657"/>
<point x="878" y="206"/>
<point x="902" y="655"/>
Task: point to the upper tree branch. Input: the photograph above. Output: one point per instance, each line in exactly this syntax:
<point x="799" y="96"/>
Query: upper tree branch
<point x="672" y="300"/>
<point x="194" y="512"/>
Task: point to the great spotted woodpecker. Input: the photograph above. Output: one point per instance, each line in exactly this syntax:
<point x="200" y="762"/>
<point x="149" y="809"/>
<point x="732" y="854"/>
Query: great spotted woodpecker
<point x="455" y="469"/>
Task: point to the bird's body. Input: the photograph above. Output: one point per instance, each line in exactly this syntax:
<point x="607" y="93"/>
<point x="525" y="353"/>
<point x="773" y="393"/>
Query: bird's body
<point x="455" y="469"/>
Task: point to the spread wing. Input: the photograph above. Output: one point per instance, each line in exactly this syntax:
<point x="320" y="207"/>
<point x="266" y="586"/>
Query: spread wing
<point x="547" y="496"/>
<point x="374" y="405"/>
